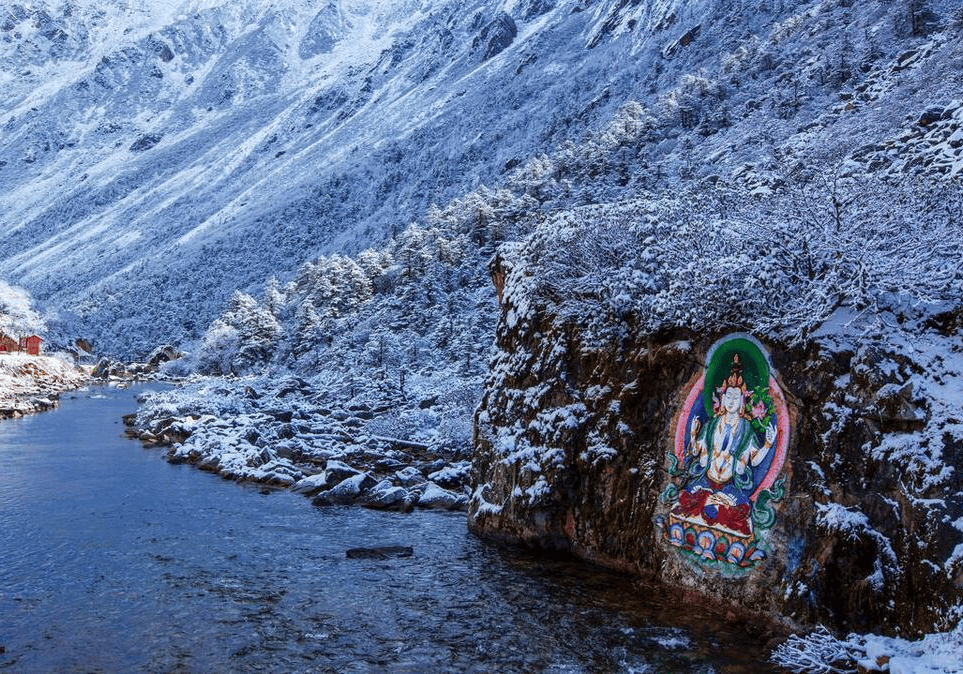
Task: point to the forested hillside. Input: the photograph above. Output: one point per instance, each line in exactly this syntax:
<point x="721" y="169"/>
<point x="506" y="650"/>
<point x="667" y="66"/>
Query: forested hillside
<point x="158" y="160"/>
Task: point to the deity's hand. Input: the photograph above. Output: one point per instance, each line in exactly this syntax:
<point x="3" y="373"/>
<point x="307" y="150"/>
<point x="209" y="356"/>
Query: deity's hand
<point x="695" y="427"/>
<point x="770" y="435"/>
<point x="721" y="499"/>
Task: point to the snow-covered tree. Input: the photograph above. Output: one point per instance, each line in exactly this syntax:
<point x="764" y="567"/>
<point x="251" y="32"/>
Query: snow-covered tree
<point x="18" y="316"/>
<point x="245" y="336"/>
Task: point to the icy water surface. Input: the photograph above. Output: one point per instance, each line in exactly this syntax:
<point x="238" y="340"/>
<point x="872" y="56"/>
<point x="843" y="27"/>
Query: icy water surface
<point x="112" y="560"/>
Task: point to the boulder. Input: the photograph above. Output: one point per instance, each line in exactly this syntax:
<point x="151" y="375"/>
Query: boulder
<point x="385" y="552"/>
<point x="347" y="491"/>
<point x="386" y="496"/>
<point x="388" y="464"/>
<point x="453" y="476"/>
<point x="409" y="477"/>
<point x="310" y="485"/>
<point x="335" y="471"/>
<point x="930" y="116"/>
<point x="108" y="369"/>
<point x="434" y="497"/>
<point x="163" y="354"/>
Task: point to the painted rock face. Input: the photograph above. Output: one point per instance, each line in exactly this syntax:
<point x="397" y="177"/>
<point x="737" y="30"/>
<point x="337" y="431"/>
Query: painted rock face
<point x="726" y="460"/>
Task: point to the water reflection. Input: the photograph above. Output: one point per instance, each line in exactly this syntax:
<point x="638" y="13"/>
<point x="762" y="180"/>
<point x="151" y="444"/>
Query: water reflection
<point x="119" y="562"/>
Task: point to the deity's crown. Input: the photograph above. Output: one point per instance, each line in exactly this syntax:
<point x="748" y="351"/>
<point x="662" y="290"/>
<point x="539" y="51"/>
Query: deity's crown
<point x="735" y="378"/>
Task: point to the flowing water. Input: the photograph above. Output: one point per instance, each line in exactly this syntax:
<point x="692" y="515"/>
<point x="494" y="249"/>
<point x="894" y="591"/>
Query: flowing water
<point x="112" y="560"/>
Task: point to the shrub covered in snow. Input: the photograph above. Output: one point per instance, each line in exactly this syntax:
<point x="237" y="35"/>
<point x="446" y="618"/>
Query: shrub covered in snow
<point x="18" y="315"/>
<point x="717" y="257"/>
<point x="243" y="337"/>
<point x="819" y="652"/>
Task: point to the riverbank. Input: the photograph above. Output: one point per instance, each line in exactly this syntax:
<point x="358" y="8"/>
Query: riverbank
<point x="116" y="561"/>
<point x="31" y="384"/>
<point x="382" y="453"/>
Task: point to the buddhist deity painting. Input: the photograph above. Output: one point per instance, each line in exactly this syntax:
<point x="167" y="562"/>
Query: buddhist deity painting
<point x="726" y="461"/>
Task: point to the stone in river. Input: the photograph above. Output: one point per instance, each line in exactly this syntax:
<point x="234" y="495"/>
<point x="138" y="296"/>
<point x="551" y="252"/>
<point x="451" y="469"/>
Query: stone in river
<point x="385" y="552"/>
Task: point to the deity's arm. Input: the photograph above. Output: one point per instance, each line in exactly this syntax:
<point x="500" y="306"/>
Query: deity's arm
<point x="697" y="445"/>
<point x="703" y="453"/>
<point x="743" y="461"/>
<point x="759" y="454"/>
<point x="699" y="452"/>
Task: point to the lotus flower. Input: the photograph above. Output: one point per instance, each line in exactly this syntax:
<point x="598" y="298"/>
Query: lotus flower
<point x="759" y="410"/>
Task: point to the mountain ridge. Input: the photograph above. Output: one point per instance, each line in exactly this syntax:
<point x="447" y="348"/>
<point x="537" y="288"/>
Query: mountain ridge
<point x="200" y="153"/>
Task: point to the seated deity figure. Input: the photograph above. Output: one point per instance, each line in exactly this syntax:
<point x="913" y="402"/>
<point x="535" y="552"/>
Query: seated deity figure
<point x="720" y="457"/>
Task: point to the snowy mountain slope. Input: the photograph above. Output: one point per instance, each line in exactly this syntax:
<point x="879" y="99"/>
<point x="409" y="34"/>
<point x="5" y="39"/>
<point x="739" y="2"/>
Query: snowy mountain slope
<point x="231" y="140"/>
<point x="154" y="160"/>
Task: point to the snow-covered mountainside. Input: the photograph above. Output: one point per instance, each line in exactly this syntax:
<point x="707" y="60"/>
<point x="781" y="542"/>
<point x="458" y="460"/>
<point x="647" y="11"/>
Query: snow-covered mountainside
<point x="155" y="158"/>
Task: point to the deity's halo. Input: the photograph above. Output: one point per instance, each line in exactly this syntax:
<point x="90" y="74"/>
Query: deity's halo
<point x="752" y="357"/>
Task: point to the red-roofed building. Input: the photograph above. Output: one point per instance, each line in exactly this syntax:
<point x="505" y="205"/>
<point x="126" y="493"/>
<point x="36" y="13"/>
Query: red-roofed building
<point x="30" y="344"/>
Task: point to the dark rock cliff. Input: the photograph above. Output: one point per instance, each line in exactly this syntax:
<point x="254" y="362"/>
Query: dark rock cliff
<point x="574" y="445"/>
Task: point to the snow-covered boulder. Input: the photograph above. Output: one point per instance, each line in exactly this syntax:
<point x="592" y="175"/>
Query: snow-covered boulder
<point x="109" y="369"/>
<point x="409" y="476"/>
<point x="347" y="491"/>
<point x="453" y="476"/>
<point x="336" y="471"/>
<point x="386" y="496"/>
<point x="437" y="498"/>
<point x="163" y="354"/>
<point x="310" y="485"/>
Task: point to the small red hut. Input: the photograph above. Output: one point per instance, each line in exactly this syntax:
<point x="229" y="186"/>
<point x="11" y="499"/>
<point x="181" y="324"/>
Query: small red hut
<point x="31" y="345"/>
<point x="7" y="344"/>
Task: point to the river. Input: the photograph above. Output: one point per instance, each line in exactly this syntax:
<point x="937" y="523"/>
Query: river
<point x="114" y="560"/>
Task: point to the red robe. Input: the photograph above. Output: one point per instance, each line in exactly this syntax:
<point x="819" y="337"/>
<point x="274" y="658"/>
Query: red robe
<point x="731" y="517"/>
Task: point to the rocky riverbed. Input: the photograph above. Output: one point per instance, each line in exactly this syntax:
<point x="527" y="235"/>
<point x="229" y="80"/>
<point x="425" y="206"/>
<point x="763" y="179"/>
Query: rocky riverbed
<point x="33" y="383"/>
<point x="289" y="434"/>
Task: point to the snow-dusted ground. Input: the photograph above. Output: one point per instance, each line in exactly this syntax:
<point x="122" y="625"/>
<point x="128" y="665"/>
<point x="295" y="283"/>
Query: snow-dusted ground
<point x="821" y="653"/>
<point x="290" y="433"/>
<point x="32" y="383"/>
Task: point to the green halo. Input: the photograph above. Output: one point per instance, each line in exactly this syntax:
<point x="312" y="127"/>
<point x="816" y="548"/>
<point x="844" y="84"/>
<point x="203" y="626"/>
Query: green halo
<point x="755" y="366"/>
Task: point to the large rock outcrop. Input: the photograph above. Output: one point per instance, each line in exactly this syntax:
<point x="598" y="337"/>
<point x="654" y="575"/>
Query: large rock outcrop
<point x="577" y="439"/>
